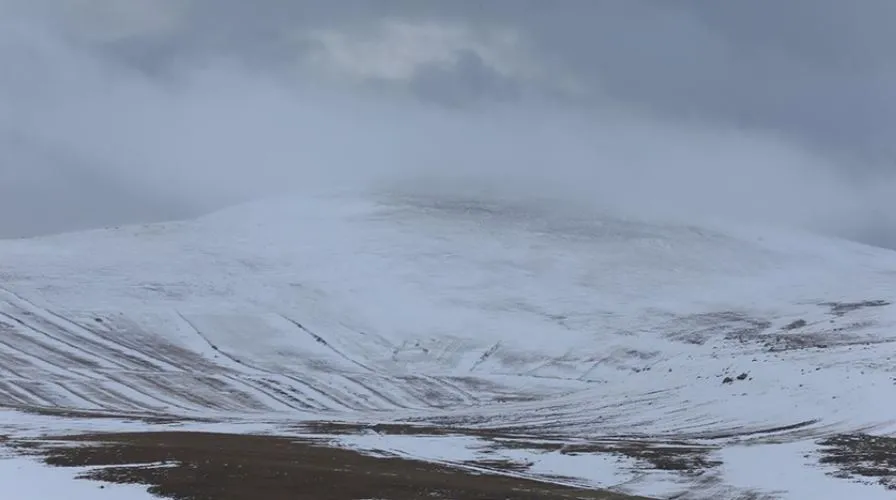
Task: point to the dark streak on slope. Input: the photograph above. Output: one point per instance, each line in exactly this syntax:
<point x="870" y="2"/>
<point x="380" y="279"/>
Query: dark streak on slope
<point x="320" y="340"/>
<point x="485" y="355"/>
<point x="68" y="355"/>
<point x="219" y="351"/>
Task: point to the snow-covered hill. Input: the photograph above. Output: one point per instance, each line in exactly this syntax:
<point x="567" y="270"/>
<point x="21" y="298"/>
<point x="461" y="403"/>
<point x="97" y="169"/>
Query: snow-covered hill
<point x="486" y="316"/>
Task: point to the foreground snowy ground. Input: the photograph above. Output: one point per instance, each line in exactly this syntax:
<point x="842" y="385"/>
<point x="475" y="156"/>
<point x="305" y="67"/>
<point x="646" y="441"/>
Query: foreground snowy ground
<point x="24" y="479"/>
<point x="651" y="358"/>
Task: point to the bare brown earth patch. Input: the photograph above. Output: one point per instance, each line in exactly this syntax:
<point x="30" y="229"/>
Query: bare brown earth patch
<point x="862" y="456"/>
<point x="211" y="466"/>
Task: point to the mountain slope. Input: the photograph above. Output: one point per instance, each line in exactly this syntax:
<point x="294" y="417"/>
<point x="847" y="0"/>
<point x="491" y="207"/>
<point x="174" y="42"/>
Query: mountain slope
<point x="486" y="316"/>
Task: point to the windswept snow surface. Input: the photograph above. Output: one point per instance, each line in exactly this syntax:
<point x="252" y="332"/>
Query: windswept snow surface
<point x="481" y="315"/>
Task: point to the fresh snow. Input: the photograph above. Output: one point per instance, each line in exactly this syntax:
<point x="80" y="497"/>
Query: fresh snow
<point x="487" y="314"/>
<point x="26" y="479"/>
<point x="787" y="470"/>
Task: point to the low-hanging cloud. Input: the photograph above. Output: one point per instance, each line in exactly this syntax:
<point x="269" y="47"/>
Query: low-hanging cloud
<point x="89" y="140"/>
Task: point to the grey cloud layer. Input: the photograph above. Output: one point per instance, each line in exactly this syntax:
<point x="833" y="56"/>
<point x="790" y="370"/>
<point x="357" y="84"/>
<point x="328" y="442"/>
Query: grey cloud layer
<point x="720" y="108"/>
<point x="821" y="70"/>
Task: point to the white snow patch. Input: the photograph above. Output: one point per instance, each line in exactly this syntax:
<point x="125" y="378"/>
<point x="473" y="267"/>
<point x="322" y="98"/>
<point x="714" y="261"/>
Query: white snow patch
<point x="456" y="449"/>
<point x="601" y="470"/>
<point x="790" y="472"/>
<point x="26" y="479"/>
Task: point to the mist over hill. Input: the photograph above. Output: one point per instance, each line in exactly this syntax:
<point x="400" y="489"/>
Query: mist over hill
<point x="137" y="110"/>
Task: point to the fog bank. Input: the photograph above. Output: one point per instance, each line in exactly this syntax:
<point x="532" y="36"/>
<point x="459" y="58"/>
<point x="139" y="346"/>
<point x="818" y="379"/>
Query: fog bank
<point x="90" y="139"/>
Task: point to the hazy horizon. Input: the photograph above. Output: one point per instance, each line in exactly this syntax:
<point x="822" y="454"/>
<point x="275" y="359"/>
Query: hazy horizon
<point x="116" y="111"/>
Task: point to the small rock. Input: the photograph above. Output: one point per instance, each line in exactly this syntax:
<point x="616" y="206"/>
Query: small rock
<point x="742" y="376"/>
<point x="728" y="380"/>
<point x="796" y="324"/>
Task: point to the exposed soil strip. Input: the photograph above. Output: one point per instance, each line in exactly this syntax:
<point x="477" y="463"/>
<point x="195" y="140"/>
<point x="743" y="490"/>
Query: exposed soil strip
<point x="209" y="466"/>
<point x="858" y="456"/>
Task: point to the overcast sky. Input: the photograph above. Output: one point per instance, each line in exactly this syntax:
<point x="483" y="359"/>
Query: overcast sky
<point x="782" y="110"/>
<point x="822" y="70"/>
